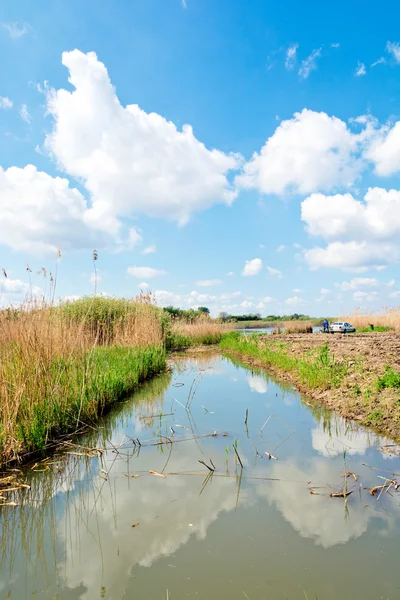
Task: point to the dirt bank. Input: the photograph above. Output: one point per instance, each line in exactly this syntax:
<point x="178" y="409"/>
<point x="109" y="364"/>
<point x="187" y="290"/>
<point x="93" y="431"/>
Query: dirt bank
<point x="362" y="359"/>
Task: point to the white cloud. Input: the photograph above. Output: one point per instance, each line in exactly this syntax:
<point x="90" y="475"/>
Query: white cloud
<point x="297" y="291"/>
<point x="358" y="282"/>
<point x="16" y="30"/>
<point x="149" y="249"/>
<point x="15" y="291"/>
<point x="274" y="273"/>
<point x="183" y="2"/>
<point x="310" y="63"/>
<point x="360" y="70"/>
<point x="291" y="57"/>
<point x="308" y="153"/>
<point x="230" y="274"/>
<point x="143" y="285"/>
<point x="42" y="213"/>
<point x="24" y="114"/>
<point x="325" y="291"/>
<point x="131" y="161"/>
<point x="361" y="295"/>
<point x="252" y="267"/>
<point x="294" y="301"/>
<point x="352" y="256"/>
<point x="209" y="282"/>
<point x="380" y="61"/>
<point x="335" y="45"/>
<point x="378" y="217"/>
<point x="384" y="150"/>
<point x="363" y="233"/>
<point x="134" y="237"/>
<point x="281" y="248"/>
<point x="394" y="49"/>
<point x="145" y="272"/>
<point x="395" y="294"/>
<point x="5" y="102"/>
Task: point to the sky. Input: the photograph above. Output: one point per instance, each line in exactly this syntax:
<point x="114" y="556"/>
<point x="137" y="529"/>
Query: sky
<point x="243" y="156"/>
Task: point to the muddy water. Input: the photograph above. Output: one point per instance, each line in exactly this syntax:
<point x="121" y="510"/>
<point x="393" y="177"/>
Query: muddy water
<point x="254" y="532"/>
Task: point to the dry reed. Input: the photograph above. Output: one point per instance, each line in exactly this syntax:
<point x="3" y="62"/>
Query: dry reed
<point x="201" y="331"/>
<point x="388" y="317"/>
<point x="60" y="365"/>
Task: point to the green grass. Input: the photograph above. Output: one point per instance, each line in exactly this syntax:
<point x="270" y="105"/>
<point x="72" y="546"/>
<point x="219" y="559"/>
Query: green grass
<point x="317" y="370"/>
<point x="377" y="329"/>
<point x="79" y="390"/>
<point x="390" y="379"/>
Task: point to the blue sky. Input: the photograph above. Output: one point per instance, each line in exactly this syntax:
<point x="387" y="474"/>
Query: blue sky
<point x="239" y="155"/>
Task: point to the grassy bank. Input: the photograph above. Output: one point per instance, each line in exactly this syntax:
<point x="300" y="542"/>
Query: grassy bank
<point x="358" y="377"/>
<point x="62" y="367"/>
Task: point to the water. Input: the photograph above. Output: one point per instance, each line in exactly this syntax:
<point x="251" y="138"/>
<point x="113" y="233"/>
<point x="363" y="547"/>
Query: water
<point x="255" y="532"/>
<point x="270" y="330"/>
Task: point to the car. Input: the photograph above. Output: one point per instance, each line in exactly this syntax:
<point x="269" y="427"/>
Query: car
<point x="341" y="327"/>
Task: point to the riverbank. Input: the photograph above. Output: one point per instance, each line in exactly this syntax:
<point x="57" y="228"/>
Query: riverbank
<point x="356" y="375"/>
<point x="63" y="366"/>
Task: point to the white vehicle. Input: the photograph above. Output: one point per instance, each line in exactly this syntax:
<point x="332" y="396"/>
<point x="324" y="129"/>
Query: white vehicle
<point x="342" y="327"/>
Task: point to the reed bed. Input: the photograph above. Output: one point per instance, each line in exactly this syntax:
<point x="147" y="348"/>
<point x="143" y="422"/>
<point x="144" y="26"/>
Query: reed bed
<point x="201" y="331"/>
<point x="62" y="366"/>
<point x="298" y="327"/>
<point x="386" y="319"/>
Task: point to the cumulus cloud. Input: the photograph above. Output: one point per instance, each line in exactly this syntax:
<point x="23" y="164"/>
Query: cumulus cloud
<point x="294" y="301"/>
<point x="252" y="267"/>
<point x="352" y="256"/>
<point x="209" y="282"/>
<point x="16" y="30"/>
<point x="15" y="291"/>
<point x="131" y="161"/>
<point x="281" y="248"/>
<point x="358" y="282"/>
<point x="42" y="213"/>
<point x="274" y="273"/>
<point x="5" y="102"/>
<point x="361" y="295"/>
<point x="145" y="272"/>
<point x="384" y="150"/>
<point x="360" y="70"/>
<point x="308" y="153"/>
<point x="362" y="234"/>
<point x="290" y="60"/>
<point x="310" y="63"/>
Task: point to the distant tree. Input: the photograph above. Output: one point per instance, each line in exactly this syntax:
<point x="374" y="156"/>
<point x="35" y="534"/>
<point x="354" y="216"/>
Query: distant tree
<point x="204" y="310"/>
<point x="223" y="316"/>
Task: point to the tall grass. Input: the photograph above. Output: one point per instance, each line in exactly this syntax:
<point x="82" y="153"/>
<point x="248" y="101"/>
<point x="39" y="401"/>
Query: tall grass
<point x="298" y="327"/>
<point x="202" y="331"/>
<point x="62" y="366"/>
<point x="388" y="318"/>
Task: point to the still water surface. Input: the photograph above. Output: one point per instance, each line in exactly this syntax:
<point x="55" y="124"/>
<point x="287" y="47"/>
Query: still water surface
<point x="254" y="533"/>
